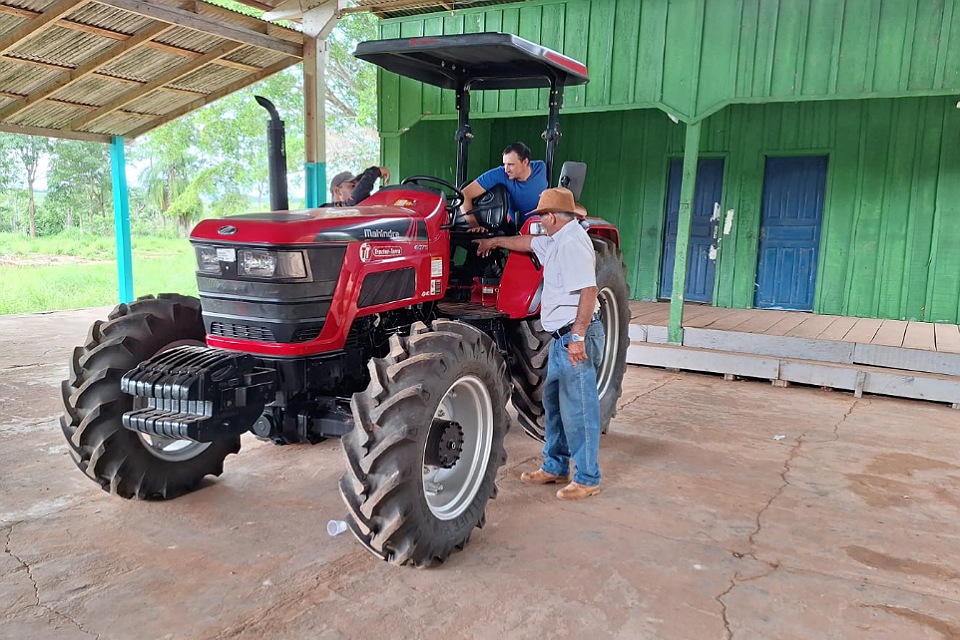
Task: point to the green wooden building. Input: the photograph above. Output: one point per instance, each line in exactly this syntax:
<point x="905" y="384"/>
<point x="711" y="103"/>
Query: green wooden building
<point x="797" y="154"/>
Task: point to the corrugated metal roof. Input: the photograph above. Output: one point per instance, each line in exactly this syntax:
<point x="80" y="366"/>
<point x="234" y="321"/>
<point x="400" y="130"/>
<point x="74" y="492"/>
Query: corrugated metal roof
<point x="68" y="68"/>
<point x="400" y="8"/>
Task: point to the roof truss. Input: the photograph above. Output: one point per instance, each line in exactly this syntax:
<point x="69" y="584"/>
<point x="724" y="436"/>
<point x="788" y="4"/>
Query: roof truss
<point x="82" y="78"/>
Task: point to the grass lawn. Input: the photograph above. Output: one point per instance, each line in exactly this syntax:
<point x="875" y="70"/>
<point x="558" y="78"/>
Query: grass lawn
<point x="72" y="271"/>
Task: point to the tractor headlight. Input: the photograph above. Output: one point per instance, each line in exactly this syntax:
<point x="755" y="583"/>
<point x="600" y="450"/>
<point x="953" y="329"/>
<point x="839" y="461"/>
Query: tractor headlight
<point x="260" y="263"/>
<point x="536" y="229"/>
<point x="207" y="259"/>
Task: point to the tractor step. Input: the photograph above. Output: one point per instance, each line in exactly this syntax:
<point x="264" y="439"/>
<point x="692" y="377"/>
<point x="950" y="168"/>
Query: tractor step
<point x="198" y="393"/>
<point x="469" y="311"/>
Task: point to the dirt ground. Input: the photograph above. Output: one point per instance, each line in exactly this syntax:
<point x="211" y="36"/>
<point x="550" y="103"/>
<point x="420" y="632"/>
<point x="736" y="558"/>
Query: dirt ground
<point x="729" y="510"/>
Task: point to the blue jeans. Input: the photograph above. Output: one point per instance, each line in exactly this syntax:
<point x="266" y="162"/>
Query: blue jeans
<point x="572" y="407"/>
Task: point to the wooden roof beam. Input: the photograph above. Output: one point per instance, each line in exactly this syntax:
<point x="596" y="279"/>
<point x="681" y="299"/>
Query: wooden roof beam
<point x="55" y="133"/>
<point x="158" y="83"/>
<point x="38" y="23"/>
<point x="207" y="24"/>
<point x="216" y="95"/>
<point x="85" y="69"/>
<point x="116" y="35"/>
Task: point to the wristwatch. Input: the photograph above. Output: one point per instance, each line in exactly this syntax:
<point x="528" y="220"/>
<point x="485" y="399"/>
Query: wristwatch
<point x="576" y="337"/>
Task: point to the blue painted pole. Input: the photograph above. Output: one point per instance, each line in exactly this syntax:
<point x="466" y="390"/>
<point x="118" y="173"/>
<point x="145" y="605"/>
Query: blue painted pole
<point x="316" y="179"/>
<point x="121" y="219"/>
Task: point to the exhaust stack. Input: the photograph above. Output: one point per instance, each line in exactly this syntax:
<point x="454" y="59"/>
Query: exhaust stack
<point x="277" y="153"/>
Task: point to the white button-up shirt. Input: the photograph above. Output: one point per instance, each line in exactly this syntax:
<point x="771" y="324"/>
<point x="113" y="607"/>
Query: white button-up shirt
<point x="569" y="265"/>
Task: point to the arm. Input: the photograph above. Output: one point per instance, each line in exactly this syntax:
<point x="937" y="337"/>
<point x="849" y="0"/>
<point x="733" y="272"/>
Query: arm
<point x="365" y="184"/>
<point x="588" y="299"/>
<point x="470" y="193"/>
<point x="523" y="244"/>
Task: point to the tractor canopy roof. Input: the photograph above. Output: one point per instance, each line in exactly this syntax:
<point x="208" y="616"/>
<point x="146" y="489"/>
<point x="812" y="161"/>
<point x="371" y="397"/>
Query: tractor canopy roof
<point x="474" y="61"/>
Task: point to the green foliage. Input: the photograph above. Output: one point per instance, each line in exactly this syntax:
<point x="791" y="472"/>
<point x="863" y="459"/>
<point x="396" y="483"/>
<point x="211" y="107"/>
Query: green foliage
<point x="79" y="188"/>
<point x="83" y="271"/>
<point x="352" y="84"/>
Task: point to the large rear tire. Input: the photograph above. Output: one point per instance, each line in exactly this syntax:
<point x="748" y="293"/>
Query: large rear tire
<point x="129" y="464"/>
<point x="530" y="344"/>
<point x="422" y="459"/>
<point x="614" y="297"/>
<point x="529" y="347"/>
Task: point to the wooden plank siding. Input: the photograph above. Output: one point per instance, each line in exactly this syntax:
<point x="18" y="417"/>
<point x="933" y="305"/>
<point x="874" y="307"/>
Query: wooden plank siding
<point x="889" y="244"/>
<point x="693" y="57"/>
<point x="871" y="84"/>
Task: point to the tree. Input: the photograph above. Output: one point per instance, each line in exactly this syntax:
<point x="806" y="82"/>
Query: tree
<point x="26" y="154"/>
<point x="79" y="181"/>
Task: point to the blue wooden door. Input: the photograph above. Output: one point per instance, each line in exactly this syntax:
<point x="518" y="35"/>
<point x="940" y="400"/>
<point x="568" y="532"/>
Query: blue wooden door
<point x="792" y="209"/>
<point x="702" y="256"/>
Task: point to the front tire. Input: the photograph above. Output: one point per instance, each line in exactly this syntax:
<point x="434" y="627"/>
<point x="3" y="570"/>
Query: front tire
<point x="530" y="344"/>
<point x="123" y="462"/>
<point x="423" y="457"/>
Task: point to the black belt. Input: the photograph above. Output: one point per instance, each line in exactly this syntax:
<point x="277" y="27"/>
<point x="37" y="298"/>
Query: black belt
<point x="564" y="330"/>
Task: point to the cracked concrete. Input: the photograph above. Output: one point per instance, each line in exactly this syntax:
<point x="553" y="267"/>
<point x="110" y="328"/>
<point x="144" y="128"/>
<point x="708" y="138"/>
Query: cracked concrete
<point x="738" y="578"/>
<point x="708" y="527"/>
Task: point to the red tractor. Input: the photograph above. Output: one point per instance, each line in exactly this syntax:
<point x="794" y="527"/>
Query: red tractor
<point x="377" y="323"/>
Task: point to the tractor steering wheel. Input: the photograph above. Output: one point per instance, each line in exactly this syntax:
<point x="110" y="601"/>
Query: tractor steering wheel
<point x="453" y="195"/>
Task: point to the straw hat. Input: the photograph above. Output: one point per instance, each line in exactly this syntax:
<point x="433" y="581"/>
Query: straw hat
<point x="556" y="200"/>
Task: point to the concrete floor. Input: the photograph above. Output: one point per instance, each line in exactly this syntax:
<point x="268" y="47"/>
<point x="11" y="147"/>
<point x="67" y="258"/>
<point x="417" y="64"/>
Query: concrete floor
<point x="730" y="510"/>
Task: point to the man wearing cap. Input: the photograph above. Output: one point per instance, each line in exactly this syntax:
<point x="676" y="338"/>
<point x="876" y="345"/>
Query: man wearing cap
<point x="348" y="190"/>
<point x="524" y="179"/>
<point x="568" y="310"/>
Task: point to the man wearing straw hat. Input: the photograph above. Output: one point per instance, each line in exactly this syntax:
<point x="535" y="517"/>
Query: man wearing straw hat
<point x="568" y="310"/>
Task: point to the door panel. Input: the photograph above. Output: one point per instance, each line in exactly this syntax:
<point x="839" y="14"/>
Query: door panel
<point x="701" y="258"/>
<point x="792" y="211"/>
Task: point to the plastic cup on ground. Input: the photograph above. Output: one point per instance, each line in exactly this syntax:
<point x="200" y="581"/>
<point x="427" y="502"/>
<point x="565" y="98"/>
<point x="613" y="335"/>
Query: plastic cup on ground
<point x="336" y="527"/>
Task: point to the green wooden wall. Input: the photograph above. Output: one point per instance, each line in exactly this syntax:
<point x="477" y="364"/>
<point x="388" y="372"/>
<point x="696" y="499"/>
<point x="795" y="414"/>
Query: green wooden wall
<point x="890" y="240"/>
<point x="872" y="84"/>
<point x="692" y="57"/>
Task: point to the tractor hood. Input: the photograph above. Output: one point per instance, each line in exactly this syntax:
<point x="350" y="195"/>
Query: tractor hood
<point x="332" y="224"/>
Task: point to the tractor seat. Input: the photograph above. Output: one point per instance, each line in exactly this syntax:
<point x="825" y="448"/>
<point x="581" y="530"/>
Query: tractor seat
<point x="490" y="210"/>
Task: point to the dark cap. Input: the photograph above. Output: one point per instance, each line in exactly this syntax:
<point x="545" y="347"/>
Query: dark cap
<point x="340" y="178"/>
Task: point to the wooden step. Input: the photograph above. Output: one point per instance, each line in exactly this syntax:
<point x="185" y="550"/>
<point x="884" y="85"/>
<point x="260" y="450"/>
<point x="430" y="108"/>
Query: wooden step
<point x="854" y="377"/>
<point x="833" y="351"/>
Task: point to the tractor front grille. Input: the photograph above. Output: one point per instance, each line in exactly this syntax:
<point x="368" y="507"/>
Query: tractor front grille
<point x="241" y="331"/>
<point x="306" y="334"/>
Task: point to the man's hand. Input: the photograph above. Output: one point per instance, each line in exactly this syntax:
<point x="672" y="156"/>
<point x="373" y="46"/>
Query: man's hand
<point x="384" y="175"/>
<point x="485" y="246"/>
<point x="577" y="351"/>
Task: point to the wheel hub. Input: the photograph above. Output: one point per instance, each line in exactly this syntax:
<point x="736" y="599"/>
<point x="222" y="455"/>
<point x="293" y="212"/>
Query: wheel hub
<point x="444" y="444"/>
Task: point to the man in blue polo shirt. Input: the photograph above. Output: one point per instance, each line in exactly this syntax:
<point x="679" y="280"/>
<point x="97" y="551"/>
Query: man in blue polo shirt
<point x="524" y="179"/>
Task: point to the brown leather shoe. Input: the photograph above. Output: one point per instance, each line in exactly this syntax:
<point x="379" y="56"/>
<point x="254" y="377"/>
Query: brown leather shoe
<point x="541" y="477"/>
<point x="574" y="491"/>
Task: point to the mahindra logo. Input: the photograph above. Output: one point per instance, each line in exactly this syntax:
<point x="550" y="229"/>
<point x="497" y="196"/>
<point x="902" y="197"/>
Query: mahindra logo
<point x="228" y="230"/>
<point x="381" y="233"/>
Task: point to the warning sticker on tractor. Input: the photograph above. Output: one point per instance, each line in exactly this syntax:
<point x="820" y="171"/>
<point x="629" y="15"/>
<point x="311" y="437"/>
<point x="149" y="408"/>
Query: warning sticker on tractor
<point x="403" y="202"/>
<point x="435" y="287"/>
<point x="226" y="254"/>
<point x="436" y="267"/>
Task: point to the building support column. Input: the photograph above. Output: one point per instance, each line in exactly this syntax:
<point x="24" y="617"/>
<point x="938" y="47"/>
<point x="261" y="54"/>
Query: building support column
<point x="315" y="115"/>
<point x="121" y="219"/>
<point x="318" y="22"/>
<point x="691" y="155"/>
